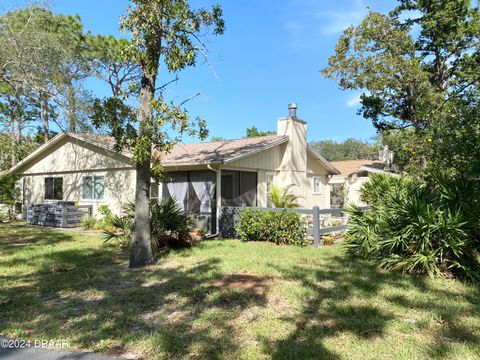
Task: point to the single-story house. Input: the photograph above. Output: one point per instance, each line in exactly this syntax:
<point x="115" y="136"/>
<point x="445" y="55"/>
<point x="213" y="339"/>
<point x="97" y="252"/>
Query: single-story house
<point x="204" y="177"/>
<point x="344" y="187"/>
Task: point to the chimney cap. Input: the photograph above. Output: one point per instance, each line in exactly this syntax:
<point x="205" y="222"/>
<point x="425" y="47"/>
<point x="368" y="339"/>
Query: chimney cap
<point x="292" y="110"/>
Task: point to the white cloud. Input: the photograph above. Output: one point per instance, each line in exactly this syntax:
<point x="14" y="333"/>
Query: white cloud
<point x="337" y="21"/>
<point x="312" y="18"/>
<point x="353" y="101"/>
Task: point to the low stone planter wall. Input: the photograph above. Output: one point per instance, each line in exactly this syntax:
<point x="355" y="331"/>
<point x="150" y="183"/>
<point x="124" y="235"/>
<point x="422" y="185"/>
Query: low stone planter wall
<point x="61" y="214"/>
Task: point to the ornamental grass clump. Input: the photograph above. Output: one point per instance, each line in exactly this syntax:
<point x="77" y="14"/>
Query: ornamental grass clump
<point x="428" y="227"/>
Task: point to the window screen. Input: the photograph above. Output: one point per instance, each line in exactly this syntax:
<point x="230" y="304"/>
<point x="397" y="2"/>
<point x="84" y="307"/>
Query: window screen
<point x="239" y="188"/>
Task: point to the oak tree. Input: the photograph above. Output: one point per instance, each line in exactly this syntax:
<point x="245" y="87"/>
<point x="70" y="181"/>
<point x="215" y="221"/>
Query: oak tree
<point x="165" y="35"/>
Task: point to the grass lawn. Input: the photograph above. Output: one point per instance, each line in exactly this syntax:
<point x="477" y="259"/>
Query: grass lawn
<point x="227" y="299"/>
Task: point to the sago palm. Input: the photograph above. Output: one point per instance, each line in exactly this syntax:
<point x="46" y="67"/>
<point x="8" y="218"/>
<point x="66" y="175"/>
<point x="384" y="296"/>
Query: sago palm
<point x="283" y="198"/>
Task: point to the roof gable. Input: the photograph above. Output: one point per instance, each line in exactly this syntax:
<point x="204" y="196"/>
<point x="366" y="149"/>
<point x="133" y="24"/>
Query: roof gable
<point x="330" y="167"/>
<point x="67" y="154"/>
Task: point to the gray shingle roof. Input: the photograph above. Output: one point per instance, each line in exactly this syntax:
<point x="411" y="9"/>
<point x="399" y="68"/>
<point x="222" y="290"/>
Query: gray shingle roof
<point x="202" y="152"/>
<point x="219" y="151"/>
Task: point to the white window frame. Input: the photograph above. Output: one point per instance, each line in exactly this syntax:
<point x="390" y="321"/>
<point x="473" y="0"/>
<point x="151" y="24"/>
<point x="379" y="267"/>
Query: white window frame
<point x="93" y="175"/>
<point x="314" y="183"/>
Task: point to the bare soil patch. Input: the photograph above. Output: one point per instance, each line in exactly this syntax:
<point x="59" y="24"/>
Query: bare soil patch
<point x="244" y="281"/>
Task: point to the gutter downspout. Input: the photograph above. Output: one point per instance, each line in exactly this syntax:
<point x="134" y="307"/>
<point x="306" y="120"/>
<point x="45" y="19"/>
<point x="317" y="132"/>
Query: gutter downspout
<point x="218" y="205"/>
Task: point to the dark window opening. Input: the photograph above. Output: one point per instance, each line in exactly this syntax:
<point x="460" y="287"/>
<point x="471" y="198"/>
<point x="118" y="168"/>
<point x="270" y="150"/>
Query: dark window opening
<point x="53" y="188"/>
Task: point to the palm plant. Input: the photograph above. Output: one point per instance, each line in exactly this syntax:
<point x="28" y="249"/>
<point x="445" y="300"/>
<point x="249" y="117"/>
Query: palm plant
<point x="282" y="198"/>
<point x="416" y="228"/>
<point x="169" y="226"/>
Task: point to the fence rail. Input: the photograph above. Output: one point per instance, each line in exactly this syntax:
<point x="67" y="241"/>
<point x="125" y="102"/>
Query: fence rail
<point x="230" y="215"/>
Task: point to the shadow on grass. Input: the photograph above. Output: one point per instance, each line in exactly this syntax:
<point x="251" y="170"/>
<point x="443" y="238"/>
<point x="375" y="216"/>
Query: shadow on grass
<point x="337" y="308"/>
<point x="176" y="309"/>
<point x="90" y="296"/>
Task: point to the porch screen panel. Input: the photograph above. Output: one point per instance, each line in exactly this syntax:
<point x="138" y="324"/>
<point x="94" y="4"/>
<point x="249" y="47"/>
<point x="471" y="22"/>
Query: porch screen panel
<point x="248" y="188"/>
<point x="177" y="188"/>
<point x="239" y="188"/>
<point x="231" y="188"/>
<point x="204" y="186"/>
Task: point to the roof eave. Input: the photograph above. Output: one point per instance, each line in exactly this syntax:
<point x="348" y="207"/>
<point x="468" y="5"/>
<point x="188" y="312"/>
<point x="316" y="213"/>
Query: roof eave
<point x="176" y="164"/>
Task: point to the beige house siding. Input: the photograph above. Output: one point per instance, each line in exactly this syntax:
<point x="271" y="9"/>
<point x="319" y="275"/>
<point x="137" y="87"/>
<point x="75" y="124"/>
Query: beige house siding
<point x="269" y="159"/>
<point x="285" y="161"/>
<point x="71" y="160"/>
<point x="262" y="188"/>
<point x="316" y="169"/>
<point x="75" y="155"/>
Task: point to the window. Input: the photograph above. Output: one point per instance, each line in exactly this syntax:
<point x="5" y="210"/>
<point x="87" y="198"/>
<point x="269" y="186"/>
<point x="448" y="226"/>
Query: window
<point x="269" y="181"/>
<point x="317" y="185"/>
<point x="337" y="196"/>
<point x="53" y="188"/>
<point x="93" y="187"/>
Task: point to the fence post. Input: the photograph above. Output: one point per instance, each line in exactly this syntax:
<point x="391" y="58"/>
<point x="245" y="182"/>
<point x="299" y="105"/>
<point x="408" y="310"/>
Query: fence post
<point x="316" y="226"/>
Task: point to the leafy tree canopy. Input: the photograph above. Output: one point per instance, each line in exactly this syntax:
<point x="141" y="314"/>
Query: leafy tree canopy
<point x="349" y="149"/>
<point x="418" y="70"/>
<point x="254" y="132"/>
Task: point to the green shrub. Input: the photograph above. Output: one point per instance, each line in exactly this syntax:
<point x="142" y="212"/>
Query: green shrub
<point x="121" y="232"/>
<point x="105" y="222"/>
<point x="417" y="227"/>
<point x="105" y="211"/>
<point x="170" y="227"/>
<point x="89" y="222"/>
<point x="280" y="227"/>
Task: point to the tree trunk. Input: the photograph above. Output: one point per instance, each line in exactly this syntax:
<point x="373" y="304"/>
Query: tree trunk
<point x="14" y="147"/>
<point x="141" y="251"/>
<point x="71" y="110"/>
<point x="44" y="116"/>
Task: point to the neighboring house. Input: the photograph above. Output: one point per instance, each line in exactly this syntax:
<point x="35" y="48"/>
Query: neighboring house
<point x="204" y="177"/>
<point x="344" y="188"/>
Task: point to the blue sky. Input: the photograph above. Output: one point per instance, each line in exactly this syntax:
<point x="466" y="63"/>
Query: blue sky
<point x="270" y="55"/>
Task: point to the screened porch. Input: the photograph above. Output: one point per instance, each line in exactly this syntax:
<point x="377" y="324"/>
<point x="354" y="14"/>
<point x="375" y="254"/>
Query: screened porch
<point x="196" y="193"/>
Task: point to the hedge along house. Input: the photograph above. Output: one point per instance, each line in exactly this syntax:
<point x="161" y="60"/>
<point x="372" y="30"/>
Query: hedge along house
<point x="204" y="177"/>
